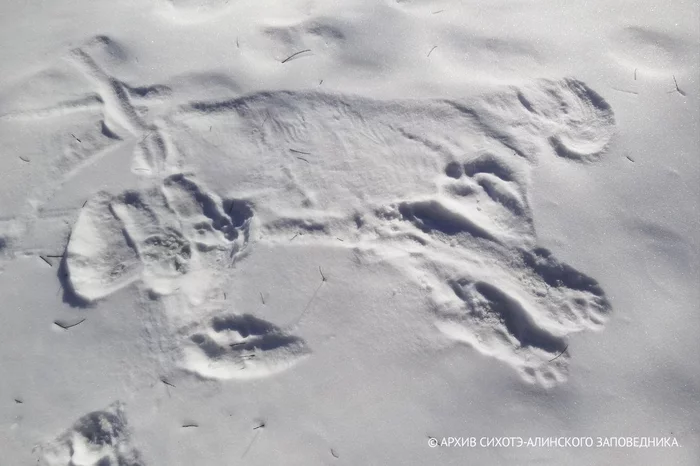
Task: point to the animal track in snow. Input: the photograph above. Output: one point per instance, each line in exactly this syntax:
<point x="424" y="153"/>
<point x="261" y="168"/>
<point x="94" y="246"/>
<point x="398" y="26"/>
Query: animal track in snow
<point x="476" y="229"/>
<point x="99" y="259"/>
<point x="579" y="121"/>
<point x="492" y="186"/>
<point x="122" y="109"/>
<point x="159" y="235"/>
<point x="520" y="310"/>
<point x="440" y="186"/>
<point x="490" y="285"/>
<point x="240" y="347"/>
<point x="99" y="438"/>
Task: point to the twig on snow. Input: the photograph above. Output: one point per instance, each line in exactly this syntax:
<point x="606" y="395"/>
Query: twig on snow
<point x="299" y="152"/>
<point x="555" y="357"/>
<point x="294" y="55"/>
<point x="678" y="89"/>
<point x="165" y="381"/>
<point x="66" y="326"/>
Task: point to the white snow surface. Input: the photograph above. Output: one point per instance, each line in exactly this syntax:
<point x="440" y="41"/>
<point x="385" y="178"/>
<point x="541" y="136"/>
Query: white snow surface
<point x="318" y="233"/>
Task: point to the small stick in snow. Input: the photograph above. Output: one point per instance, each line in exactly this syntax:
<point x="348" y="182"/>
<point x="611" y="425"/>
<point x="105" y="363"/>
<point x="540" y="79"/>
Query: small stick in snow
<point x="302" y="158"/>
<point x="555" y="357"/>
<point x="84" y="203"/>
<point x="224" y="295"/>
<point x="625" y="91"/>
<point x="635" y="74"/>
<point x="262" y="425"/>
<point x="678" y="89"/>
<point x="335" y="455"/>
<point x="66" y="326"/>
<point x="76" y="138"/>
<point x="184" y="426"/>
<point x="299" y="152"/>
<point x="630" y="158"/>
<point x="24" y="159"/>
<point x="238" y="45"/>
<point x="165" y="381"/>
<point x="439" y="11"/>
<point x="18" y="401"/>
<point x="320" y="82"/>
<point x="292" y="238"/>
<point x="46" y="260"/>
<point x="294" y="55"/>
<point x="54" y="255"/>
<point x="321" y="272"/>
<point x="262" y="298"/>
<point x="431" y="50"/>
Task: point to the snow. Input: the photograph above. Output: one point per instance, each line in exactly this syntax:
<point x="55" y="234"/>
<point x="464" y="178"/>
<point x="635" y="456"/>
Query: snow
<point x="325" y="233"/>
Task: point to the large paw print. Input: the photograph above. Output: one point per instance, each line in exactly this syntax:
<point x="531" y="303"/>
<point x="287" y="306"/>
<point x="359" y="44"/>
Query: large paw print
<point x="240" y="347"/>
<point x="158" y="236"/>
